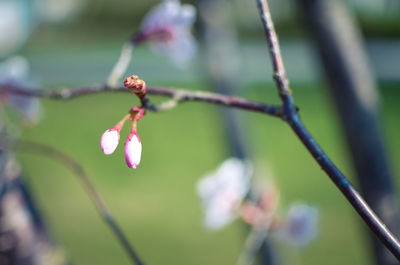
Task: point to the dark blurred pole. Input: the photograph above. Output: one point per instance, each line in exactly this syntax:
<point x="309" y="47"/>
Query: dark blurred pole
<point x="221" y="58"/>
<point x="221" y="55"/>
<point x="24" y="238"/>
<point x="353" y="87"/>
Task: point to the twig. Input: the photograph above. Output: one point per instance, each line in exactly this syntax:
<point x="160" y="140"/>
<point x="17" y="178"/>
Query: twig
<point x="125" y="58"/>
<point x="98" y="201"/>
<point x="277" y="64"/>
<point x="292" y="118"/>
<point x="177" y="95"/>
<point x="122" y="64"/>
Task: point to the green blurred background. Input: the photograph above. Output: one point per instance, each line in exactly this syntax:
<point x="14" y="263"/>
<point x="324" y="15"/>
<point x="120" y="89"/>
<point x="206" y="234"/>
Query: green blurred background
<point x="157" y="204"/>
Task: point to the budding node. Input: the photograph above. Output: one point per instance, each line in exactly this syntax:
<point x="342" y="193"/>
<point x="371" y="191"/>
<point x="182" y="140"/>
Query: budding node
<point x="136" y="85"/>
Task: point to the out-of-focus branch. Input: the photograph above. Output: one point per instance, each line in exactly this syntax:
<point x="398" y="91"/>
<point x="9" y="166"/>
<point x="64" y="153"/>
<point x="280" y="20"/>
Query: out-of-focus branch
<point x="77" y="169"/>
<point x="253" y="244"/>
<point x="121" y="65"/>
<point x="177" y="95"/>
<point x="290" y="115"/>
<point x="25" y="236"/>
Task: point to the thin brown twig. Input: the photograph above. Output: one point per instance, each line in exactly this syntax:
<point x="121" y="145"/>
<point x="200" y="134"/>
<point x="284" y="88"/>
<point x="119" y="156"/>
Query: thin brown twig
<point x="177" y="95"/>
<point x="275" y="53"/>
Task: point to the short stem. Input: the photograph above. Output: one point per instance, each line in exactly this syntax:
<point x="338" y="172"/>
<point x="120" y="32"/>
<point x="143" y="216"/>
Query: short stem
<point x="134" y="126"/>
<point x="120" y="124"/>
<point x="125" y="118"/>
<point x="121" y="65"/>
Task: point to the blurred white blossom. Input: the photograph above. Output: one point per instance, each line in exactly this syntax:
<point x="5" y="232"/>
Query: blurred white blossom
<point x="19" y="18"/>
<point x="301" y="225"/>
<point x="223" y="190"/>
<point x="16" y="21"/>
<point x="168" y="26"/>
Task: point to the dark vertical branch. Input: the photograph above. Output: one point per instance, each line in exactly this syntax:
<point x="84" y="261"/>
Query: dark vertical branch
<point x="293" y="119"/>
<point x="221" y="53"/>
<point x="354" y="91"/>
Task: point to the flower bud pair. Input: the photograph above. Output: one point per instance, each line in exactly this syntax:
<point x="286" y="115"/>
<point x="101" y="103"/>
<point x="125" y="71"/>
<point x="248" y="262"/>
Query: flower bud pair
<point x="133" y="147"/>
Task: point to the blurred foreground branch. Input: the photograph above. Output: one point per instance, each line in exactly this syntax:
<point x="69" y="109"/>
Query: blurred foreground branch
<point x="24" y="235"/>
<point x="77" y="169"/>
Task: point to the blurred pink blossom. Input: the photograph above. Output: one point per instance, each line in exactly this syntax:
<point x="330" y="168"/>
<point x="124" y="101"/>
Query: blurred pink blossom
<point x="167" y="27"/>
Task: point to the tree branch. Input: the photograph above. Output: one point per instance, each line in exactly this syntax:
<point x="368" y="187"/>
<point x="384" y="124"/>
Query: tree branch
<point x="293" y="119"/>
<point x="177" y="95"/>
<point x="98" y="201"/>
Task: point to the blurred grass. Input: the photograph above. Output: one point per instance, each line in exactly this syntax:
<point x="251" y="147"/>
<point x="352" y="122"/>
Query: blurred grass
<point x="157" y="204"/>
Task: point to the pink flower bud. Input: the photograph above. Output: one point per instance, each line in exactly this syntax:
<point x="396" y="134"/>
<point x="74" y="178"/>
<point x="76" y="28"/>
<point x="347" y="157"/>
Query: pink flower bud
<point x="109" y="141"/>
<point x="133" y="150"/>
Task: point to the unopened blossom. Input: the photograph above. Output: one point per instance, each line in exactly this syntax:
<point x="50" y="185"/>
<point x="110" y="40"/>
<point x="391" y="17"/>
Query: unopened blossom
<point x="223" y="190"/>
<point x="133" y="150"/>
<point x="136" y="85"/>
<point x="301" y="224"/>
<point x="168" y="28"/>
<point x="109" y="141"/>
